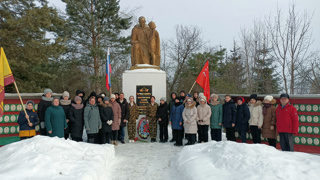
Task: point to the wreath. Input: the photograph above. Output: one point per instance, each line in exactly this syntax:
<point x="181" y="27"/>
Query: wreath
<point x="143" y="128"/>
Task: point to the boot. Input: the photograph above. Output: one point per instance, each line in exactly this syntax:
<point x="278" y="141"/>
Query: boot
<point x="112" y="142"/>
<point x="116" y="143"/>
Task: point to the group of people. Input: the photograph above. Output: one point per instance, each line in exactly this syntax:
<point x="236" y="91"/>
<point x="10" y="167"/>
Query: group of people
<point x="105" y="118"/>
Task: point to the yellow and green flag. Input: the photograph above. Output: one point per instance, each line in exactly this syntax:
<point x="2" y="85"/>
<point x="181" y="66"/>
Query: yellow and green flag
<point x="6" y="77"/>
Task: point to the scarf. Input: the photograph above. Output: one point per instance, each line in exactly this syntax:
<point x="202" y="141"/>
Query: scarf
<point x="65" y="102"/>
<point x="77" y="106"/>
<point x="265" y="108"/>
<point x="215" y="103"/>
<point x="47" y="99"/>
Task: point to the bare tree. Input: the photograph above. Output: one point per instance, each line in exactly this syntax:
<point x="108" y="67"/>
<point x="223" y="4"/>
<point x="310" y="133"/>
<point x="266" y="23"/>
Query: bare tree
<point x="291" y="39"/>
<point x="187" y="41"/>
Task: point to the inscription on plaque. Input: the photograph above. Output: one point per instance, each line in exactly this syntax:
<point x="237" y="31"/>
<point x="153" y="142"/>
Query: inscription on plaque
<point x="144" y="94"/>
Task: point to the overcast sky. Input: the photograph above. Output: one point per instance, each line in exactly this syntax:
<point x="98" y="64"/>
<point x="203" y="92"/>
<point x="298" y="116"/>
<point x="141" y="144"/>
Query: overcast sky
<point x="219" y="20"/>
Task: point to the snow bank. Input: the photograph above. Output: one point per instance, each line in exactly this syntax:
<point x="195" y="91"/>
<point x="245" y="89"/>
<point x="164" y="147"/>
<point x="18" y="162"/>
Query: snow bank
<point x="43" y="157"/>
<point x="230" y="160"/>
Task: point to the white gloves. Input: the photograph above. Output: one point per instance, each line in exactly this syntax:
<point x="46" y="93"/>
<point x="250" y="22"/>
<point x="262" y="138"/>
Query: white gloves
<point x="109" y="122"/>
<point x="42" y="125"/>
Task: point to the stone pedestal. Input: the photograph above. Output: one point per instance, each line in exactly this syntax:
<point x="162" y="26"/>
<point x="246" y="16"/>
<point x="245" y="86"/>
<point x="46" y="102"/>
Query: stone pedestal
<point x="144" y="77"/>
<point x="148" y="77"/>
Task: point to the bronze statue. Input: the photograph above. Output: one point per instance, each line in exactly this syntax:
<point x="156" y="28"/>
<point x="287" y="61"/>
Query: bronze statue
<point x="145" y="43"/>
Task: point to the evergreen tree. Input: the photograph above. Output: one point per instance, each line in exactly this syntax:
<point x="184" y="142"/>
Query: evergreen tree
<point x="24" y="26"/>
<point x="265" y="79"/>
<point x="93" y="27"/>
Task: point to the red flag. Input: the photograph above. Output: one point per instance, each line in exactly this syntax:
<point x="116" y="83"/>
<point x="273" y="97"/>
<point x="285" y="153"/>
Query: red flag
<point x="203" y="80"/>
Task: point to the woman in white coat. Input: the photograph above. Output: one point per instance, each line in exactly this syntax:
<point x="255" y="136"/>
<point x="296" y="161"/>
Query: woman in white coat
<point x="189" y="115"/>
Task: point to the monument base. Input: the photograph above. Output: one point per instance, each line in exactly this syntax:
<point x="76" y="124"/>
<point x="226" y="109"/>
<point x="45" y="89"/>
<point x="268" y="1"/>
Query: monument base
<point x="132" y="79"/>
<point x="144" y="66"/>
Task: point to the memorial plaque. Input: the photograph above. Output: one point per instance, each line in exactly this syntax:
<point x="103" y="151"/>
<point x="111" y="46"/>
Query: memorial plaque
<point x="144" y="94"/>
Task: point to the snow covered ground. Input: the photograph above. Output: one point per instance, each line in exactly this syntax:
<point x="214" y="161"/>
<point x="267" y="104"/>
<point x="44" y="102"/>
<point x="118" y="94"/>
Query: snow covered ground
<point x="230" y="160"/>
<point x="54" y="158"/>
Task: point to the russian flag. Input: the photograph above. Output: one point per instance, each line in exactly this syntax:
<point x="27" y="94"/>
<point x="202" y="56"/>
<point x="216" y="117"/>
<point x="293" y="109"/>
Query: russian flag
<point x="108" y="72"/>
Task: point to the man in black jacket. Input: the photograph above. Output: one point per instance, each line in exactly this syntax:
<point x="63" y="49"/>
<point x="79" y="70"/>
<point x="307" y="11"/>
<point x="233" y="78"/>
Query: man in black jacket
<point x="124" y="116"/>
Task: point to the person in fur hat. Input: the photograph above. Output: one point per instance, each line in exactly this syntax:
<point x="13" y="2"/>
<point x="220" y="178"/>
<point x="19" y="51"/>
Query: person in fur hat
<point x="106" y="115"/>
<point x="190" y="115"/>
<point x="204" y="114"/>
<point x="256" y="118"/>
<point x="216" y="117"/>
<point x="269" y="130"/>
<point x="242" y="118"/>
<point x="76" y="119"/>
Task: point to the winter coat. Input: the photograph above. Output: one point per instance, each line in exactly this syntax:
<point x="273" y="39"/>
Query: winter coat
<point x="176" y="117"/>
<point x="162" y="113"/>
<point x="242" y="117"/>
<point x="106" y="114"/>
<point x="287" y="119"/>
<point x="116" y="115"/>
<point x="42" y="107"/>
<point x="133" y="112"/>
<point x="229" y="114"/>
<point x="216" y="115"/>
<point x="269" y="119"/>
<point x="171" y="104"/>
<point x="92" y="120"/>
<point x="124" y="111"/>
<point x="151" y="111"/>
<point x="55" y="120"/>
<point x="204" y="114"/>
<point x="24" y="129"/>
<point x="256" y="116"/>
<point x="66" y="107"/>
<point x="190" y="113"/>
<point x="76" y="121"/>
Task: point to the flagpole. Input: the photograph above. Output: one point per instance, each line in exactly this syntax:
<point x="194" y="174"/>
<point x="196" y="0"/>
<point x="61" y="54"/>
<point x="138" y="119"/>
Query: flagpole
<point x="192" y="86"/>
<point x="24" y="109"/>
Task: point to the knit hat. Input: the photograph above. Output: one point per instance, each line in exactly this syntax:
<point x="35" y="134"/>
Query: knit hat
<point x="203" y="98"/>
<point x="179" y="98"/>
<point x="241" y="99"/>
<point x="201" y="95"/>
<point x="112" y="96"/>
<point x="189" y="98"/>
<point x="65" y="94"/>
<point x="47" y="91"/>
<point x="106" y="99"/>
<point x="284" y="95"/>
<point x="214" y="95"/>
<point x="30" y="102"/>
<point x="269" y="98"/>
<point x="163" y="99"/>
<point x="80" y="91"/>
<point x="254" y="96"/>
<point x="102" y="95"/>
<point x="77" y="98"/>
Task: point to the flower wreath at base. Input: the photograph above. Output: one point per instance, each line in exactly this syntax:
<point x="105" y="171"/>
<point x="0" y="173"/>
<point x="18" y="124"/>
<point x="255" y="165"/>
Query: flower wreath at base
<point x="143" y="128"/>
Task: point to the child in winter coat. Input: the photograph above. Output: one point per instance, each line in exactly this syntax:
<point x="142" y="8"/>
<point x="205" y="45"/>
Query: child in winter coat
<point x="204" y="114"/>
<point x="269" y="130"/>
<point x="216" y="117"/>
<point x="162" y="114"/>
<point x="176" y="121"/>
<point x="229" y="117"/>
<point x="190" y="120"/>
<point x="256" y="118"/>
<point x="242" y="118"/>
<point x="27" y="129"/>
